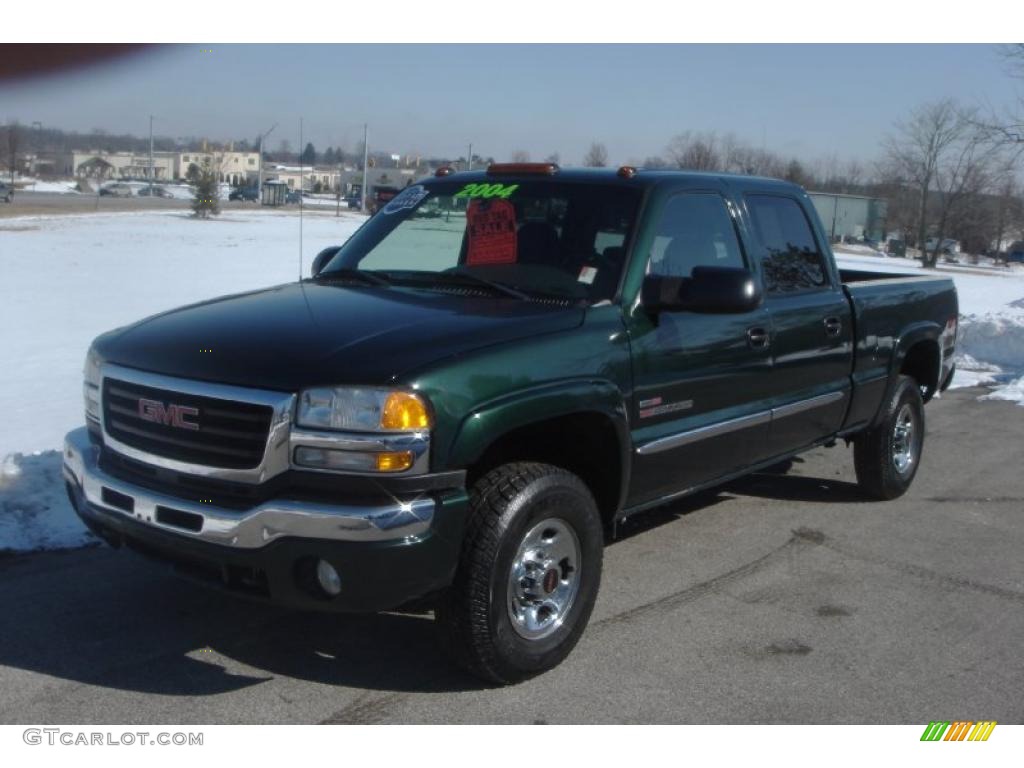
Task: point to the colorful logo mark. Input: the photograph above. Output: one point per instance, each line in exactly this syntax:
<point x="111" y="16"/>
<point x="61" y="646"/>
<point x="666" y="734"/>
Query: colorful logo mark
<point x="958" y="730"/>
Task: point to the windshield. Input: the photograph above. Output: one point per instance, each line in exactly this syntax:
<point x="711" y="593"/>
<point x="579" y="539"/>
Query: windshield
<point x="534" y="237"/>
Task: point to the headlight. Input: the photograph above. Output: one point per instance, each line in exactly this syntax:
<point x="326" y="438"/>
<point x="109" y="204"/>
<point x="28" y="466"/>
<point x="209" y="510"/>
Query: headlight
<point x="362" y="409"/>
<point x="91" y="385"/>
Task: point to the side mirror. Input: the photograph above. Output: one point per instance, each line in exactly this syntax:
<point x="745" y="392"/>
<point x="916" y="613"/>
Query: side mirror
<point x="322" y="258"/>
<point x="711" y="290"/>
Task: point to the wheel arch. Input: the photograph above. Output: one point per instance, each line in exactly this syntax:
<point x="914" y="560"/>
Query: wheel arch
<point x="580" y="426"/>
<point x="918" y="355"/>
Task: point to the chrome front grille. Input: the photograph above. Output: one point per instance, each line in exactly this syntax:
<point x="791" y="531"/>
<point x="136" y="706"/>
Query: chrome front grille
<point x="217" y="432"/>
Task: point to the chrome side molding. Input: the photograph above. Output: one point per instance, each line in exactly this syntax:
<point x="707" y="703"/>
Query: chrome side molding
<point x="734" y="425"/>
<point x="702" y="433"/>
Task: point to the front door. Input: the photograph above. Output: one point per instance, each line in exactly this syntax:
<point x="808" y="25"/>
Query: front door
<point x="700" y="380"/>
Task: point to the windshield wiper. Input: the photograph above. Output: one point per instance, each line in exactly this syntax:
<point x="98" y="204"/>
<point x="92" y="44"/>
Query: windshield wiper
<point x="363" y="275"/>
<point x="467" y="278"/>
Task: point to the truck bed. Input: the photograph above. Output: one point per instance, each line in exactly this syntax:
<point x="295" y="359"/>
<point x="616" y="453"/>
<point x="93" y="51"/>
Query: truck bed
<point x="890" y="311"/>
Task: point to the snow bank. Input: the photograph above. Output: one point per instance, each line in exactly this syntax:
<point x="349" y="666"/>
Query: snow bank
<point x="1014" y="391"/>
<point x="990" y="345"/>
<point x="34" y="509"/>
<point x="66" y="187"/>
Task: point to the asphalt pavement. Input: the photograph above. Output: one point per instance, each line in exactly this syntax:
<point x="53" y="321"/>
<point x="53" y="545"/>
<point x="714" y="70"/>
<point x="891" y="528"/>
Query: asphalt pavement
<point x="782" y="598"/>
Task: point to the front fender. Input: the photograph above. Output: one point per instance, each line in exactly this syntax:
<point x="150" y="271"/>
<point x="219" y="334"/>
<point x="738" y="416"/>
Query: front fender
<point x="489" y="421"/>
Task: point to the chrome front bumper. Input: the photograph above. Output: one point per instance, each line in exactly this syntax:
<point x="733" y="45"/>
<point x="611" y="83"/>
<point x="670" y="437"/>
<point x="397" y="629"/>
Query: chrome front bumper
<point x="248" y="529"/>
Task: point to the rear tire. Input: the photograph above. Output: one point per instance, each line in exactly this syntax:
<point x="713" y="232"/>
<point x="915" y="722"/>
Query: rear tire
<point x="528" y="574"/>
<point x="886" y="457"/>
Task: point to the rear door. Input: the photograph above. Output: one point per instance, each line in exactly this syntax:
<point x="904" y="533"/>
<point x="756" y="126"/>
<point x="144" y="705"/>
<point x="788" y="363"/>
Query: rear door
<point x="811" y="323"/>
<point x="700" y="380"/>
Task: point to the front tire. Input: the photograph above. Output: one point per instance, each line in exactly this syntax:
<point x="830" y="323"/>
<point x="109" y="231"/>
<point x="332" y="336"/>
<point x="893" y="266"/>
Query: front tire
<point x="886" y="457"/>
<point x="528" y="574"/>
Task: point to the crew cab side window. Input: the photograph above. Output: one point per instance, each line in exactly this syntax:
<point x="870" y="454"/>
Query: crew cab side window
<point x="695" y="229"/>
<point x="792" y="260"/>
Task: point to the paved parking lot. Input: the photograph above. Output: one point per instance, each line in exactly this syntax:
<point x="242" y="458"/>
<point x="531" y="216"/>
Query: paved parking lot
<point x="781" y="598"/>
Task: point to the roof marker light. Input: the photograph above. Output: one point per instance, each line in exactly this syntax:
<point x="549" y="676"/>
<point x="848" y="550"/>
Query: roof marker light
<point x="444" y="170"/>
<point x="627" y="172"/>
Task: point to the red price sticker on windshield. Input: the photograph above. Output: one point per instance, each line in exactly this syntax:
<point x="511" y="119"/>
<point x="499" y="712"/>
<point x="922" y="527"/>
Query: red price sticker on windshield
<point x="491" y="228"/>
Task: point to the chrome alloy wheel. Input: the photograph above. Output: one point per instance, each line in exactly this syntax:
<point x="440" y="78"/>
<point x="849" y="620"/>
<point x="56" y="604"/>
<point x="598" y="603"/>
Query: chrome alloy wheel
<point x="544" y="579"/>
<point x="904" y="440"/>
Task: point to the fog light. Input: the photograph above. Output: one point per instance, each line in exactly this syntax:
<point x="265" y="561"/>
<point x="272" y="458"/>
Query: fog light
<point x="330" y="581"/>
<point x="397" y="461"/>
<point x="353" y="461"/>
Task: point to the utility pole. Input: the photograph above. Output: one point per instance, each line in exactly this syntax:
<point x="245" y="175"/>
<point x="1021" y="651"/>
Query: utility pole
<point x="366" y="168"/>
<point x="469" y="158"/>
<point x="259" y="177"/>
<point x="151" y="168"/>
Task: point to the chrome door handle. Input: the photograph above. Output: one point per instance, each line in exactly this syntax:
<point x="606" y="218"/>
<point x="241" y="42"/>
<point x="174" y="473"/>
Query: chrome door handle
<point x="757" y="338"/>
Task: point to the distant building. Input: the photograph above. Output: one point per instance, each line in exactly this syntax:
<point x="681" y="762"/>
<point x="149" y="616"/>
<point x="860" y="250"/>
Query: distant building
<point x="231" y="167"/>
<point x="125" y="165"/>
<point x="332" y="179"/>
<point x="845" y="216"/>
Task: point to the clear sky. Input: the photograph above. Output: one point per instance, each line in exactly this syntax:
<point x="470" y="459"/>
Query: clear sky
<point x="434" y="99"/>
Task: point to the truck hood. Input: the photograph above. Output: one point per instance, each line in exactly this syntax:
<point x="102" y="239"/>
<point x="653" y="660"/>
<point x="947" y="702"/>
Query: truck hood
<point x="305" y="334"/>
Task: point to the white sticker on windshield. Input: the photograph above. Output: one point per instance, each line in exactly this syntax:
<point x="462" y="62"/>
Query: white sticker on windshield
<point x="408" y="198"/>
<point x="587" y="275"/>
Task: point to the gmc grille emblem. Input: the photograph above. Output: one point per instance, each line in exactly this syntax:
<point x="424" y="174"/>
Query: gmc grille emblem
<point x="171" y="414"/>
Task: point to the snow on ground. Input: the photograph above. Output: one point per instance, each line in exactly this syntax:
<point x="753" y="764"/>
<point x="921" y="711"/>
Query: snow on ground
<point x="63" y="187"/>
<point x="34" y="510"/>
<point x="68" y="278"/>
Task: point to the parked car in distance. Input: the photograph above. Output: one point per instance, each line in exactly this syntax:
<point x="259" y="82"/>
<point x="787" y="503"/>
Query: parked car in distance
<point x="1015" y="253"/>
<point x="116" y="190"/>
<point x="354" y="202"/>
<point x="249" y="194"/>
<point x="948" y="246"/>
<point x="157" y="192"/>
<point x="457" y="414"/>
<point x="896" y="248"/>
<point x="6" y="192"/>
<point x="293" y="196"/>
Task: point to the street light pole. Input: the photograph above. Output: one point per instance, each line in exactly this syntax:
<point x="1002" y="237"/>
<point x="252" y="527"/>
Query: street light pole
<point x="469" y="158"/>
<point x="151" y="168"/>
<point x="366" y="168"/>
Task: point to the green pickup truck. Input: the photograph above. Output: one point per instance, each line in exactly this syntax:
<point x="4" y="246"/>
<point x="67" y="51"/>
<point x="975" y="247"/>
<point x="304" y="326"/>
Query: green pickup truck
<point x="497" y="368"/>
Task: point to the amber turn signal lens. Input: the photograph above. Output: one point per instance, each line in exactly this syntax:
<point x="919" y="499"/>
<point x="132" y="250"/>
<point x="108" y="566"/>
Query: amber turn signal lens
<point x="394" y="462"/>
<point x="404" y="410"/>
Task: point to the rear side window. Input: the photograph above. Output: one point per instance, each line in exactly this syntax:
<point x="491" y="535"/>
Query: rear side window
<point x="791" y="260"/>
<point x="695" y="230"/>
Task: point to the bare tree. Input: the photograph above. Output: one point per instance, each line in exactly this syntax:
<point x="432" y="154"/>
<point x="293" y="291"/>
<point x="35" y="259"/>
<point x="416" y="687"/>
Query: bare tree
<point x="1009" y="128"/>
<point x="917" y="150"/>
<point x="796" y="173"/>
<point x="554" y="157"/>
<point x="695" y="152"/>
<point x="597" y="156"/>
<point x="960" y="183"/>
<point x="654" y="163"/>
<point x="520" y="156"/>
<point x="1008" y="211"/>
